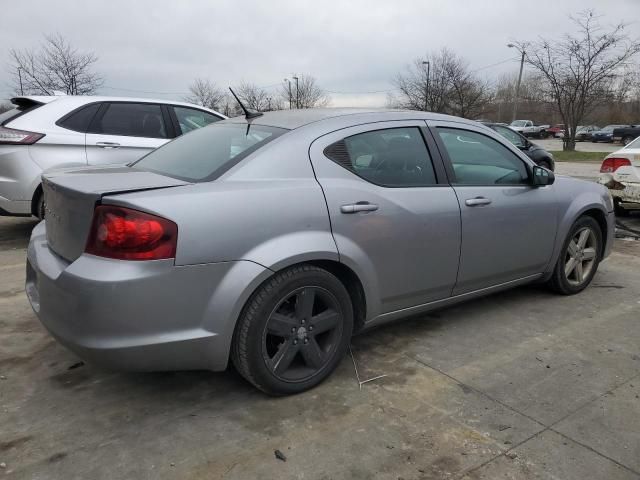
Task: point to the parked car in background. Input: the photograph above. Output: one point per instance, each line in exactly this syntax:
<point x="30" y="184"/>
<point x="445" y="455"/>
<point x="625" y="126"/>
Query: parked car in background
<point x="606" y="134"/>
<point x="557" y="130"/>
<point x="535" y="152"/>
<point x="583" y="132"/>
<point x="44" y="132"/>
<point x="620" y="173"/>
<point x="268" y="241"/>
<point x="626" y="135"/>
<point x="529" y="129"/>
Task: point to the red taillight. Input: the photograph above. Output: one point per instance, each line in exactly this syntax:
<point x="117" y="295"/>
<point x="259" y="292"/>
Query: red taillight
<point x="10" y="136"/>
<point x="126" y="234"/>
<point x="610" y="165"/>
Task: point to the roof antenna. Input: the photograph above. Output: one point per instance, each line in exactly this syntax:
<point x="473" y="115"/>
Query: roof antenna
<point x="247" y="114"/>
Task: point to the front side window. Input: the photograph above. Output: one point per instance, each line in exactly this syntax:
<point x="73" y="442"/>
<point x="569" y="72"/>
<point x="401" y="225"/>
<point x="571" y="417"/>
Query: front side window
<point x="191" y="119"/>
<point x="394" y="157"/>
<point x="481" y="160"/>
<point x="206" y="153"/>
<point x="132" y="120"/>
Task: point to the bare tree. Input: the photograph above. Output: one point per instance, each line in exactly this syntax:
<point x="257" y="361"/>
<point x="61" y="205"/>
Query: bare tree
<point x="579" y="72"/>
<point x="206" y="93"/>
<point x="56" y="66"/>
<point x="441" y="82"/>
<point x="305" y="93"/>
<point x="258" y="99"/>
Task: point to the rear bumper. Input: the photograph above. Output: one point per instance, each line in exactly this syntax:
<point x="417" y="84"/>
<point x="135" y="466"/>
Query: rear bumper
<point x="627" y="193"/>
<point x="138" y="316"/>
<point x="19" y="177"/>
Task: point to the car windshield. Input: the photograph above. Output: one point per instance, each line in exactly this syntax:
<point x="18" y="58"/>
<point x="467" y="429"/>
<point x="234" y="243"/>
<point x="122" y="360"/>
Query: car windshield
<point x="206" y="153"/>
<point x="519" y="123"/>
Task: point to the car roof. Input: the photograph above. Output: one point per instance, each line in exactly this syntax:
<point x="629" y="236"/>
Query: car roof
<point x="292" y="119"/>
<point x="79" y="100"/>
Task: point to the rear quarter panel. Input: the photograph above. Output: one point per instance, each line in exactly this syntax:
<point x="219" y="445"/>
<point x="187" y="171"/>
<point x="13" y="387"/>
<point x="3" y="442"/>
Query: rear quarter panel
<point x="269" y="209"/>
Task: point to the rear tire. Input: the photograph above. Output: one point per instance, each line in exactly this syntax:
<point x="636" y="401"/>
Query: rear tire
<point x="38" y="209"/>
<point x="627" y="140"/>
<point x="579" y="258"/>
<point x="294" y="331"/>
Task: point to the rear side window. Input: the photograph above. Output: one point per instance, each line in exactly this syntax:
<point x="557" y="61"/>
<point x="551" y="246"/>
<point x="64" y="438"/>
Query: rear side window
<point x="206" y="153"/>
<point x="80" y="119"/>
<point x="393" y="157"/>
<point x="191" y="119"/>
<point x="131" y="120"/>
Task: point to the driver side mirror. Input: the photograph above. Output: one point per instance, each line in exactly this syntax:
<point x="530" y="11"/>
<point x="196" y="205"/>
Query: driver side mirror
<point x="542" y="176"/>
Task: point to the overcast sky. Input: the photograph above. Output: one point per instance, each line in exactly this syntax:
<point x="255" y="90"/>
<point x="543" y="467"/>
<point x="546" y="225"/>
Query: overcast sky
<point x="156" y="48"/>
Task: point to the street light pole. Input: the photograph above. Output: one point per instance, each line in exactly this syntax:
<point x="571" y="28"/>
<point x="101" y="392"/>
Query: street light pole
<point x="426" y="90"/>
<point x="289" y="89"/>
<point x="20" y="77"/>
<point x="515" y="100"/>
<point x="297" y="93"/>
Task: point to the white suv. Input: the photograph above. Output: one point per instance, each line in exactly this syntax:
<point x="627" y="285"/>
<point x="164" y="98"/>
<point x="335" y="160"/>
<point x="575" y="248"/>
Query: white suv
<point x="67" y="131"/>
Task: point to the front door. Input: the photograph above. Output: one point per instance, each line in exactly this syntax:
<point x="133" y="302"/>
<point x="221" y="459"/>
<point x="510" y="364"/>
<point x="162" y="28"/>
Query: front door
<point x="508" y="226"/>
<point x="395" y="222"/>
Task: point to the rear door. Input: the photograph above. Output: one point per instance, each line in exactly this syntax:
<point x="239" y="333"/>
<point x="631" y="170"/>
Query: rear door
<point x="122" y="132"/>
<point x="508" y="226"/>
<point x="394" y="218"/>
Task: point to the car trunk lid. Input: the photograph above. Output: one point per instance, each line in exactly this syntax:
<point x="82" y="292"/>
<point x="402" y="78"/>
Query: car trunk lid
<point x="71" y="196"/>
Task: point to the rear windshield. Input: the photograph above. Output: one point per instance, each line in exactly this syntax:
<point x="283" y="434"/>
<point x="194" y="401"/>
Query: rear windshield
<point x="9" y="115"/>
<point x="205" y="154"/>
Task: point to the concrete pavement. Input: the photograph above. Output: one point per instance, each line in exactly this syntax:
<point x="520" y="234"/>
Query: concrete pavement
<point x="521" y="385"/>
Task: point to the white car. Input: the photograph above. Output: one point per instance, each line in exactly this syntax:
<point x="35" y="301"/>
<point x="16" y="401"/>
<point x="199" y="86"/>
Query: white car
<point x="620" y="173"/>
<point x="45" y="132"/>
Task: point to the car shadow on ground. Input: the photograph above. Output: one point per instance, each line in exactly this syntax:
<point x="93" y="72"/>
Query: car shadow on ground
<point x="15" y="232"/>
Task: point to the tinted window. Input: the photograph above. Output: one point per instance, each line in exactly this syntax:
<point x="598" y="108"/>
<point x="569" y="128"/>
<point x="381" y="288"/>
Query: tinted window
<point x="395" y="157"/>
<point x="12" y="114"/>
<point x="510" y="135"/>
<point x="131" y="119"/>
<point x="191" y="119"/>
<point x="80" y="119"/>
<point x="481" y="160"/>
<point x="207" y="153"/>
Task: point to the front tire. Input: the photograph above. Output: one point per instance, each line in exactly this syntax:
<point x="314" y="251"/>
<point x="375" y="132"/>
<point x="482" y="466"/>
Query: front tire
<point x="294" y="331"/>
<point x="627" y="140"/>
<point x="579" y="258"/>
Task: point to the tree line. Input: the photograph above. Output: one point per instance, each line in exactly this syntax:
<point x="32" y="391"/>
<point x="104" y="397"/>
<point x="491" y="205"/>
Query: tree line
<point x="586" y="76"/>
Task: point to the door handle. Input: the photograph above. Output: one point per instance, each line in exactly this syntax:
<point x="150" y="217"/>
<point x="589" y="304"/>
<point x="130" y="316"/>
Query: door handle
<point x="359" y="207"/>
<point x="476" y="202"/>
<point x="107" y="145"/>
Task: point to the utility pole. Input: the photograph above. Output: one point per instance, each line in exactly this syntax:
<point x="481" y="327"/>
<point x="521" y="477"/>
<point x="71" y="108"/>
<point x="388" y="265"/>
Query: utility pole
<point x="20" y="77"/>
<point x="515" y="100"/>
<point x="297" y="93"/>
<point x="289" y="89"/>
<point x="426" y="90"/>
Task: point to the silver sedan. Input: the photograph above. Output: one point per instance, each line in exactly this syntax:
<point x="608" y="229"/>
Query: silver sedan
<point x="271" y="240"/>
